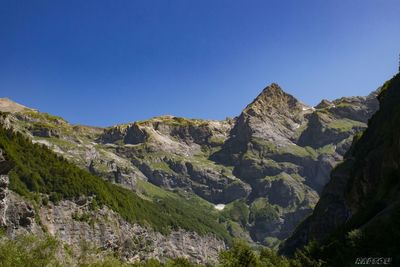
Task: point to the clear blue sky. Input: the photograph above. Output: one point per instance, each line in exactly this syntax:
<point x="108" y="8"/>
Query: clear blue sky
<point x="102" y="62"/>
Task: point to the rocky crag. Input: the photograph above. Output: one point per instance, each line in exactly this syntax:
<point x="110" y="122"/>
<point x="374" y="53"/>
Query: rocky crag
<point x="96" y="232"/>
<point x="263" y="170"/>
<point x="358" y="213"/>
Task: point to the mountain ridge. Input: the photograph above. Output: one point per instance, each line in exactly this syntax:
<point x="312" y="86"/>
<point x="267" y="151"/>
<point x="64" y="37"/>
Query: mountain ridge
<point x="258" y="166"/>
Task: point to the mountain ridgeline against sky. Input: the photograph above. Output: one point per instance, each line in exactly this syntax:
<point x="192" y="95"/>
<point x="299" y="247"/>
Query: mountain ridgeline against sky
<point x="254" y="177"/>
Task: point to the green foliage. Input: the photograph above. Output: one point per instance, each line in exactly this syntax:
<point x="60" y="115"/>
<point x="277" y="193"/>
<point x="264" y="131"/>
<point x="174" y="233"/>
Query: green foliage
<point x="28" y="251"/>
<point x="108" y="262"/>
<point x="83" y="217"/>
<point x="175" y="121"/>
<point x="345" y="125"/>
<point x="270" y="258"/>
<point x="216" y="141"/>
<point x="299" y="151"/>
<point x="113" y="262"/>
<point x="39" y="170"/>
<point x="148" y="263"/>
<point x="268" y="147"/>
<point x="272" y="242"/>
<point x="237" y="211"/>
<point x="31" y="251"/>
<point x="377" y="239"/>
<point x="328" y="149"/>
<point x="160" y="165"/>
<point x="178" y="262"/>
<point x="261" y="211"/>
<point x="240" y="255"/>
<point x="44" y="116"/>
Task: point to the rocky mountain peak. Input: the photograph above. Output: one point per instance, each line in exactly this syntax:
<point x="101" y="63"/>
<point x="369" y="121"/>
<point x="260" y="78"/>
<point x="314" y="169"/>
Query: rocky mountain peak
<point x="324" y="104"/>
<point x="272" y="89"/>
<point x="273" y="99"/>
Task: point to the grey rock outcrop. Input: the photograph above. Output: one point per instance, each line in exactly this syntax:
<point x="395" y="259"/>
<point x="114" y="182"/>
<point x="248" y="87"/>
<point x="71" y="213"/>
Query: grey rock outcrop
<point x="105" y="229"/>
<point x="3" y="199"/>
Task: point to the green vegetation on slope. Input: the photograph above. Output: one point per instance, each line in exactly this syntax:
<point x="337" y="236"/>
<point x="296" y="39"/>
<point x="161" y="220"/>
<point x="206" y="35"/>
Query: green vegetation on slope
<point x="237" y="211"/>
<point x="39" y="170"/>
<point x="267" y="148"/>
<point x="345" y="125"/>
<point x="262" y="211"/>
<point x="31" y="251"/>
<point x="44" y="116"/>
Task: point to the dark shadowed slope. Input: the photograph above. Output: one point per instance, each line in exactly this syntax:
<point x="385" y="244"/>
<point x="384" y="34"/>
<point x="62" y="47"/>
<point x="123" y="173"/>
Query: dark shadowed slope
<point x="359" y="211"/>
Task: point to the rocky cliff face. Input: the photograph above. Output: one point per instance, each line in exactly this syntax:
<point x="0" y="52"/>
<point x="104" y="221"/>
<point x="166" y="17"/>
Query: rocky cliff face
<point x="173" y="153"/>
<point x="274" y="158"/>
<point x="75" y="223"/>
<point x="78" y="225"/>
<point x="363" y="194"/>
<point x="285" y="151"/>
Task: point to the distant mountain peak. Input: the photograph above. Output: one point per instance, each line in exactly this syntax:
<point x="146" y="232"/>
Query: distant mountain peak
<point x="274" y="98"/>
<point x="324" y="104"/>
<point x="7" y="105"/>
<point x="273" y="88"/>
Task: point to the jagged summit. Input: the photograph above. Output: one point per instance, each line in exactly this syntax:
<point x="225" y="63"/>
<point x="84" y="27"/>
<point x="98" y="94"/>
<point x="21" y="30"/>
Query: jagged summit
<point x="274" y="114"/>
<point x="273" y="88"/>
<point x="274" y="98"/>
<point x="325" y="103"/>
<point x="7" y="105"/>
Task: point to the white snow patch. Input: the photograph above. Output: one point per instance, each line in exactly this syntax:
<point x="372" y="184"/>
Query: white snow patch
<point x="219" y="206"/>
<point x="307" y="108"/>
<point x="43" y="142"/>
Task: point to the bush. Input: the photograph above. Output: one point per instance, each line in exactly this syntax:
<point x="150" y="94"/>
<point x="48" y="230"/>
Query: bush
<point x="28" y="251"/>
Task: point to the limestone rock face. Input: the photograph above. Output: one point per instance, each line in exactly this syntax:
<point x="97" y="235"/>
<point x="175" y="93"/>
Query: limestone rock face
<point x="274" y="115"/>
<point x="5" y="167"/>
<point x="74" y="224"/>
<point x="172" y="152"/>
<point x="77" y="225"/>
<point x="3" y="199"/>
<point x="16" y="215"/>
